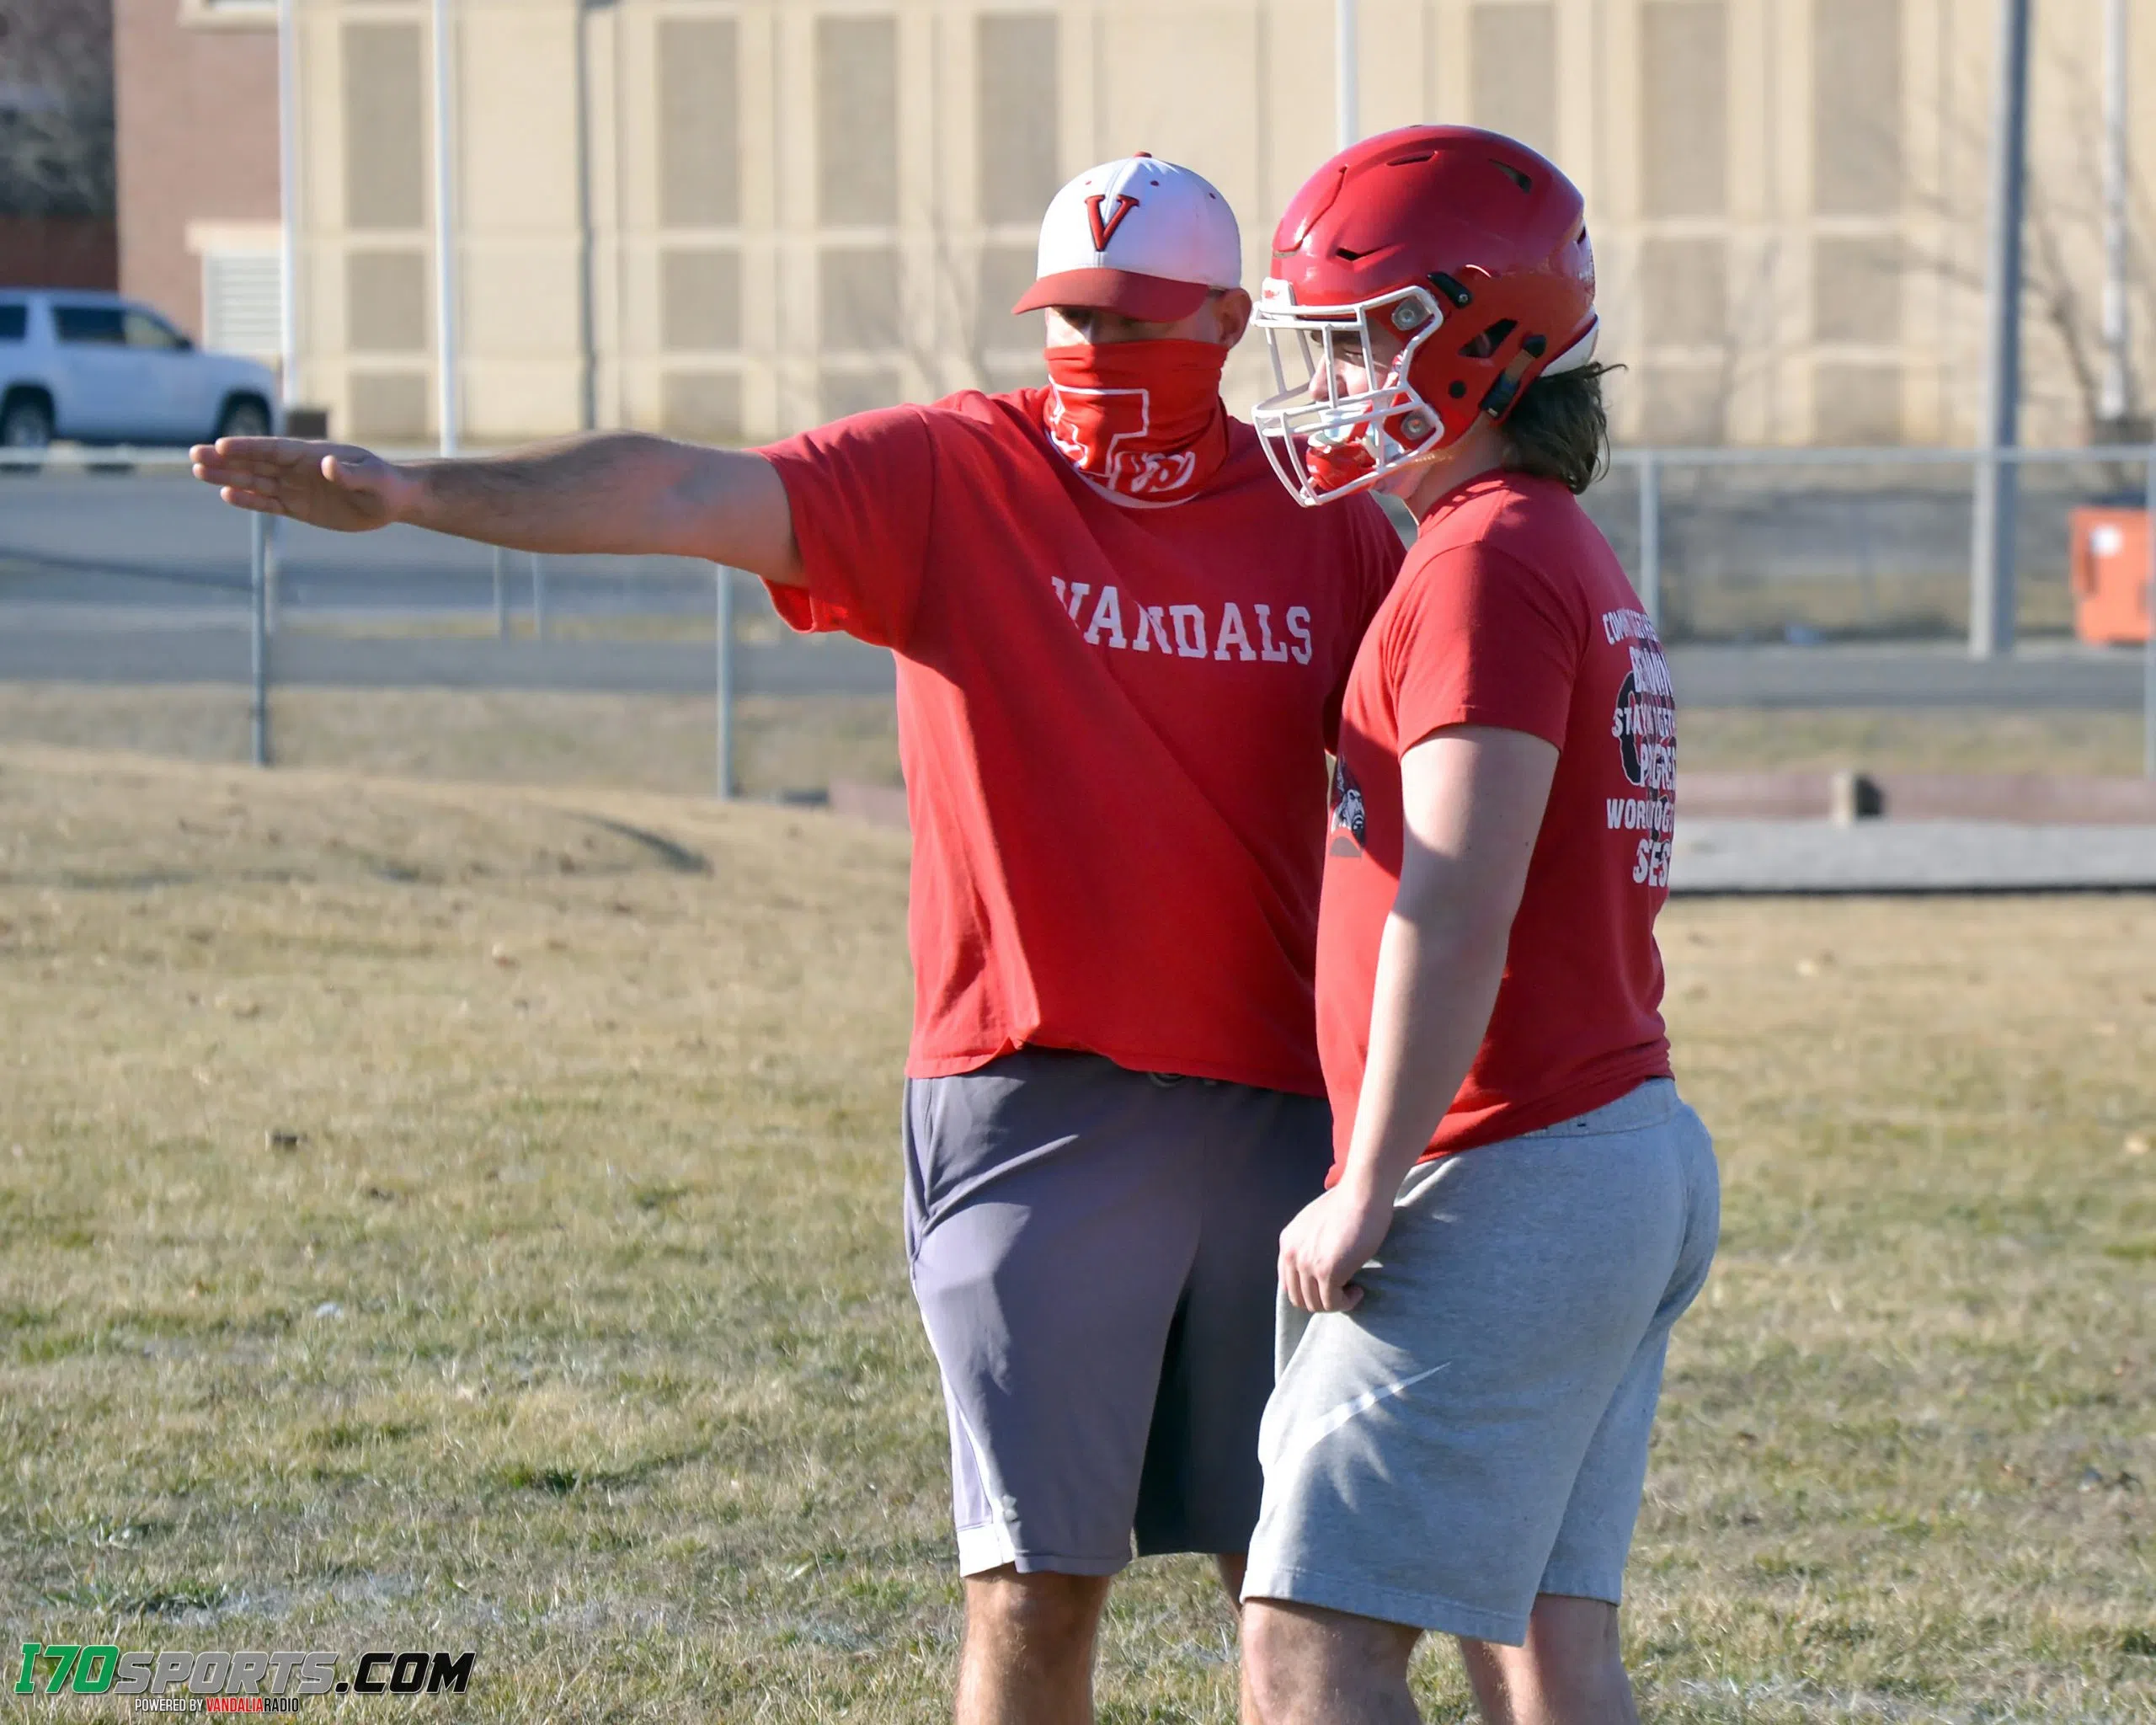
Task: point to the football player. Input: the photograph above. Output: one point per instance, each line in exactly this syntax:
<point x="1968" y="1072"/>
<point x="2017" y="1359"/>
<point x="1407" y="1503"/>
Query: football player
<point x="1474" y="1316"/>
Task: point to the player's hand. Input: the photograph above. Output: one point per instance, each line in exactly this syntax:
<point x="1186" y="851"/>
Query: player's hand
<point x="1333" y="1236"/>
<point x="335" y="485"/>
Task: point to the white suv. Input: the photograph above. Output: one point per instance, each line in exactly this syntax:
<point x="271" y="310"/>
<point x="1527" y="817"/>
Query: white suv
<point x="100" y="369"/>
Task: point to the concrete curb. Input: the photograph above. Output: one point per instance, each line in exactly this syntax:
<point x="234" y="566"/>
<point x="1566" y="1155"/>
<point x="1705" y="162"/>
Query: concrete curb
<point x="1741" y="857"/>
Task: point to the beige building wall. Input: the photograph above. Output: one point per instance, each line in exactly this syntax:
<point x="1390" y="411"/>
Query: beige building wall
<point x="734" y="218"/>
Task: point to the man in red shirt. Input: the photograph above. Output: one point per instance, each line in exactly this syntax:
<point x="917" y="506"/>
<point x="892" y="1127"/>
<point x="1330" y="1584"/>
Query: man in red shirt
<point x="1460" y="1432"/>
<point x="1122" y="651"/>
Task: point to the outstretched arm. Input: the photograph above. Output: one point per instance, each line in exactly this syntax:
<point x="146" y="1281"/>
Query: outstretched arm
<point x="619" y="492"/>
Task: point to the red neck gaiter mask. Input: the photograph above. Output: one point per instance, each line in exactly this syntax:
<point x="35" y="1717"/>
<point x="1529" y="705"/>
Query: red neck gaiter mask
<point x="1142" y="417"/>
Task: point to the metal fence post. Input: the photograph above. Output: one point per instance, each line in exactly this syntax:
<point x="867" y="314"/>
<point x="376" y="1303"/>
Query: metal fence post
<point x="272" y="575"/>
<point x="1650" y="535"/>
<point x="2148" y="652"/>
<point x="1992" y="590"/>
<point x="259" y="639"/>
<point x="538" y="598"/>
<point x="725" y="631"/>
<point x="501" y="594"/>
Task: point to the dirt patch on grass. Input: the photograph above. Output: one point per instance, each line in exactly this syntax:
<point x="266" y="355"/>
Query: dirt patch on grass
<point x="439" y="1216"/>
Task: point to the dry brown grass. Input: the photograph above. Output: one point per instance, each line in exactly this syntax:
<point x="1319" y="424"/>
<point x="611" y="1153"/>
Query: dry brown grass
<point x="666" y="743"/>
<point x="570" y="1323"/>
<point x="663" y="743"/>
<point x="1882" y="740"/>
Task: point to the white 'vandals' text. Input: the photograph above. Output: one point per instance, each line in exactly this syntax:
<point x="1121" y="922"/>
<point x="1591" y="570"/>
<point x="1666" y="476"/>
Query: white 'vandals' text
<point x="1238" y="634"/>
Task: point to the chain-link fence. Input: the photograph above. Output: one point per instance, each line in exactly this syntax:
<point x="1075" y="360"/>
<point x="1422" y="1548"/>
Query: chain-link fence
<point x="122" y="576"/>
<point x="118" y="571"/>
<point x="1741" y="545"/>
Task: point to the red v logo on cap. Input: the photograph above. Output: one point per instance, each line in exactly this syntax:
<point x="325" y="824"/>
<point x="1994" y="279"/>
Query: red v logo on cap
<point x="1104" y="231"/>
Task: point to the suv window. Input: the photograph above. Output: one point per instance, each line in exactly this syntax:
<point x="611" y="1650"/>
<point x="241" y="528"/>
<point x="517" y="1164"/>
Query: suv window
<point x="143" y="330"/>
<point x="103" y="325"/>
<point x="14" y="322"/>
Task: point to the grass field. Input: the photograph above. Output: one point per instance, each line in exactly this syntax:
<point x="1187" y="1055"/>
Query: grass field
<point x="666" y="743"/>
<point x="445" y="1216"/>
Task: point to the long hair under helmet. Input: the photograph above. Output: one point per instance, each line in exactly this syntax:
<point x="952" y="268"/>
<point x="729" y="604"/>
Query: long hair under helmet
<point x="1463" y="245"/>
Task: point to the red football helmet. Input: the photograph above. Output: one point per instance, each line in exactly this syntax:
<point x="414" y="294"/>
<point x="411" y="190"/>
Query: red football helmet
<point x="1454" y="265"/>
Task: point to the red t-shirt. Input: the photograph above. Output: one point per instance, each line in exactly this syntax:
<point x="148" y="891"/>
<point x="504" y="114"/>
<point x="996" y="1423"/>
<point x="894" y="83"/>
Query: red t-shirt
<point x="1112" y="721"/>
<point x="1513" y="612"/>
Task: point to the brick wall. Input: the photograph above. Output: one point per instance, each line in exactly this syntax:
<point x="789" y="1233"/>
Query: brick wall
<point x="58" y="251"/>
<point x="197" y="139"/>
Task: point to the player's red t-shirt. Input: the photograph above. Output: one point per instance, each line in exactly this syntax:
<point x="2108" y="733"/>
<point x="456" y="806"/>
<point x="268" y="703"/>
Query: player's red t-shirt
<point x="1112" y="721"/>
<point x="1513" y="612"/>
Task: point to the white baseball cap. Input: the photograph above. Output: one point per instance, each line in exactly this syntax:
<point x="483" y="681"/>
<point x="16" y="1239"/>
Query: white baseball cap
<point x="1139" y="236"/>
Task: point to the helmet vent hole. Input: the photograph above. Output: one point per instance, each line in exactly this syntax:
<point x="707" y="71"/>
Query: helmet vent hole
<point x="1351" y="257"/>
<point x="1513" y="175"/>
<point x="1490" y="341"/>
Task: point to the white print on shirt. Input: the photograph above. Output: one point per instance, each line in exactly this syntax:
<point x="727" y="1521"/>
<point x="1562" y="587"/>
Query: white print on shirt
<point x="1645" y="729"/>
<point x="1183" y="629"/>
<point x="1640" y="815"/>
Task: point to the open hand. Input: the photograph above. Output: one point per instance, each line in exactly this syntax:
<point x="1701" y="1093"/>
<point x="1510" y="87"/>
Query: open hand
<point x="1332" y="1236"/>
<point x="333" y="485"/>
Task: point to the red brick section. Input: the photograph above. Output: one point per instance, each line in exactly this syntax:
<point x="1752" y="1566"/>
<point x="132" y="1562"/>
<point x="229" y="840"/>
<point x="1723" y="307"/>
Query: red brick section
<point x="197" y="126"/>
<point x="58" y="251"/>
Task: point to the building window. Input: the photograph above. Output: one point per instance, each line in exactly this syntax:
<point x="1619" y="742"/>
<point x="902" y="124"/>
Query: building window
<point x="859" y="289"/>
<point x="242" y="303"/>
<point x="386" y="302"/>
<point x="1513" y="57"/>
<point x="390" y="405"/>
<point x="1856" y="107"/>
<point x="699" y="123"/>
<point x="1017" y="108"/>
<point x="1008" y="350"/>
<point x="1017" y="104"/>
<point x="385" y="127"/>
<point x="1684" y="292"/>
<point x="1684" y="98"/>
<point x="700" y="300"/>
<point x="705" y="406"/>
<point x="858" y="121"/>
<point x="1683" y="402"/>
<point x="1857" y="402"/>
<point x="1856" y="291"/>
<point x="857" y="300"/>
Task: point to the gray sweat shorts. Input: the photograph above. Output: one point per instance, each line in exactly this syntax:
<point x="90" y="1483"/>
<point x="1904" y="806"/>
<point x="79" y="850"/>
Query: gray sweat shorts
<point x="1093" y="1250"/>
<point x="1475" y="1432"/>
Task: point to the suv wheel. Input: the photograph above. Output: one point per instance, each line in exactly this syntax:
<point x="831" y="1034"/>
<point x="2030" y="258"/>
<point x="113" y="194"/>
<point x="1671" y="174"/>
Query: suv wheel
<point x="25" y="423"/>
<point x="244" y="418"/>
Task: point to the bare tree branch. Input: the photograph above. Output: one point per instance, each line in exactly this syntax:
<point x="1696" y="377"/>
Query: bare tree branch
<point x="55" y="108"/>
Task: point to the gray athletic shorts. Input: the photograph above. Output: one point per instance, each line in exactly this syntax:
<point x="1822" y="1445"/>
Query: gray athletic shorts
<point x="1475" y="1432"/>
<point x="1094" y="1252"/>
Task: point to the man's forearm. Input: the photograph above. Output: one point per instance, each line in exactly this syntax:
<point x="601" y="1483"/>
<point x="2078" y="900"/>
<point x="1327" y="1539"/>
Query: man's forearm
<point x="551" y="497"/>
<point x="622" y="493"/>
